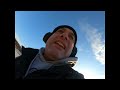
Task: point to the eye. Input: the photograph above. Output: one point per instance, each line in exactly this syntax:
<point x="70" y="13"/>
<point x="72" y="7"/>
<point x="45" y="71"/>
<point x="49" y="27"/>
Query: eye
<point x="72" y="37"/>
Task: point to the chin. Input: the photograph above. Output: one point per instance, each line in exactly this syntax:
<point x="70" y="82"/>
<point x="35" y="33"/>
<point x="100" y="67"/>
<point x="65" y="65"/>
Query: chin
<point x="58" y="56"/>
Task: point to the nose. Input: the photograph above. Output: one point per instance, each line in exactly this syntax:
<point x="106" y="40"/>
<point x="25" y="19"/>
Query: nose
<point x="64" y="36"/>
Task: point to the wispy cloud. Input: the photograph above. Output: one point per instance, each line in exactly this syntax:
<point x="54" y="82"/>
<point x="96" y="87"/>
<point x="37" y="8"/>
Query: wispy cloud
<point x="96" y="41"/>
<point x="18" y="39"/>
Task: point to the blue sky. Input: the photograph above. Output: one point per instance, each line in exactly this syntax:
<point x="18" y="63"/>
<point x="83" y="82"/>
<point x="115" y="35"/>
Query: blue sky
<point x="31" y="26"/>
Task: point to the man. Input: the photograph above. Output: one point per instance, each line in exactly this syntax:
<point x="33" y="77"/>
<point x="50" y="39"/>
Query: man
<point x="55" y="61"/>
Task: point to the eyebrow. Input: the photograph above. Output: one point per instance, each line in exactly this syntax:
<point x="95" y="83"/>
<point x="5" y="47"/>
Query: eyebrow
<point x="70" y="32"/>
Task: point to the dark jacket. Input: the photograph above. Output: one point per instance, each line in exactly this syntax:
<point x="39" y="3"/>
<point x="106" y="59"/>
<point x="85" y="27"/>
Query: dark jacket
<point x="55" y="72"/>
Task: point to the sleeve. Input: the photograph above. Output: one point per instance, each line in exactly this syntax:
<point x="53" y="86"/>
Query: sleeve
<point x="18" y="67"/>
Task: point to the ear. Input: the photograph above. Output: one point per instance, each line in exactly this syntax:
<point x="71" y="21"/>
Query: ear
<point x="46" y="36"/>
<point x="74" y="52"/>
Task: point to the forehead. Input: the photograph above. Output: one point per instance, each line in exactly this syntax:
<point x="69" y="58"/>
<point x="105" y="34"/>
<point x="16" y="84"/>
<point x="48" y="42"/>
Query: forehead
<point x="67" y="30"/>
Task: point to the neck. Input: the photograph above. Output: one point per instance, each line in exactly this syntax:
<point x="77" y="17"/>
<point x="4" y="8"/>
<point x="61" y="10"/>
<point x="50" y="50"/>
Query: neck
<point x="47" y="58"/>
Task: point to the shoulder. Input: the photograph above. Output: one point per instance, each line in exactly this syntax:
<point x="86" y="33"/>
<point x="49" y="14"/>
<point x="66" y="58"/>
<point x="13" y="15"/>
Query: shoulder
<point x="68" y="72"/>
<point x="73" y="74"/>
<point x="27" y="53"/>
<point x="29" y="50"/>
<point x="22" y="62"/>
<point x="78" y="75"/>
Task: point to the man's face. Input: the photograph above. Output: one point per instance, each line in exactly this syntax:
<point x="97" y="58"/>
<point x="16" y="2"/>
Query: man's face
<point x="60" y="44"/>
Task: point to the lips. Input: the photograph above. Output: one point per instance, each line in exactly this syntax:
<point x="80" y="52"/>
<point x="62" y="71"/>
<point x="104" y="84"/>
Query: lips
<point x="60" y="44"/>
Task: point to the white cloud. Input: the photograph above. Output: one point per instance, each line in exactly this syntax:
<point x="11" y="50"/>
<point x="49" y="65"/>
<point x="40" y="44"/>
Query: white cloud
<point x="95" y="39"/>
<point x="18" y="39"/>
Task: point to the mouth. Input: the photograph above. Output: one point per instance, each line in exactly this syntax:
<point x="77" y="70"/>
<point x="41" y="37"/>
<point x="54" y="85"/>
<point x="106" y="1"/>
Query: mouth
<point x="60" y="44"/>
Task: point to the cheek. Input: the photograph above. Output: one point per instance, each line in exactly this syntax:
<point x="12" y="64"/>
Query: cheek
<point x="50" y="40"/>
<point x="71" y="45"/>
<point x="69" y="49"/>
